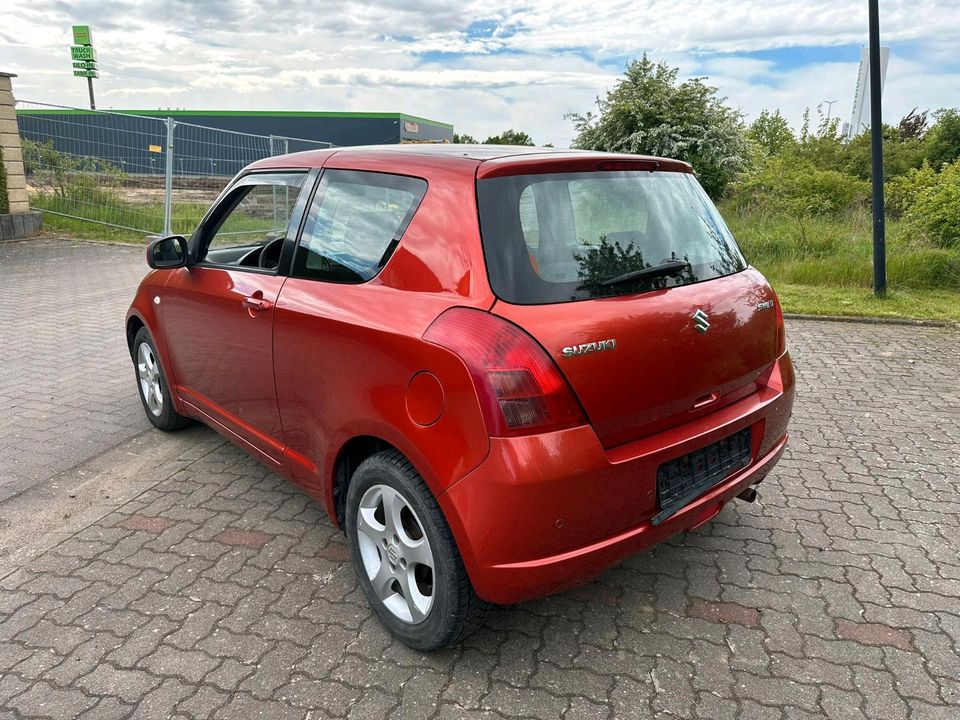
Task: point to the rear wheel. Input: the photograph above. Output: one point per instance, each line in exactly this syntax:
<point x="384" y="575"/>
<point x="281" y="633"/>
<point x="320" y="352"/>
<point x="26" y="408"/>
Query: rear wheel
<point x="153" y="386"/>
<point x="405" y="556"/>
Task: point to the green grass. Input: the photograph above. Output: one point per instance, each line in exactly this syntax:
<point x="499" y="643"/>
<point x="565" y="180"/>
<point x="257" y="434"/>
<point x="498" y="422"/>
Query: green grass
<point x="861" y="302"/>
<point x="112" y="212"/>
<point x="838" y="252"/>
<point x="824" y="266"/>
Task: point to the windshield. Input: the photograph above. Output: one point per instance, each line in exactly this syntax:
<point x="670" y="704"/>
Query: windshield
<point x="558" y="238"/>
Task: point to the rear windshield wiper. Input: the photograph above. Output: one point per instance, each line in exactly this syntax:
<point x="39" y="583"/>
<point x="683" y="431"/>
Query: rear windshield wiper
<point x="670" y="267"/>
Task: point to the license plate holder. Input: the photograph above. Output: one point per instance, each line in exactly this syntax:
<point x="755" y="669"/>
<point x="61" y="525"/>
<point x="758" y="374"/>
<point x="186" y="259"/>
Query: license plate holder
<point x="682" y="480"/>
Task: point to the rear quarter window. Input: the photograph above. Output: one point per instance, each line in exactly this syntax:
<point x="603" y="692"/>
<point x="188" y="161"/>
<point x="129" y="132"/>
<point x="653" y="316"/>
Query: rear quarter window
<point x="354" y="224"/>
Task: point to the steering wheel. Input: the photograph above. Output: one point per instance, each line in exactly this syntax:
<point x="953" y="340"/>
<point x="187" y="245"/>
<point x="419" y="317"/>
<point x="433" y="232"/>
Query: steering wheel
<point x="270" y="255"/>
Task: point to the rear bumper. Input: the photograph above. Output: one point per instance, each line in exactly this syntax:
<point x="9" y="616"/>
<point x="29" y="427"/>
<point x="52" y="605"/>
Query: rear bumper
<point x="548" y="512"/>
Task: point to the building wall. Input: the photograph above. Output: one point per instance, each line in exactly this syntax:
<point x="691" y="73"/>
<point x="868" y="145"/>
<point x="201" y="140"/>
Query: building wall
<point x="133" y="140"/>
<point x="12" y="154"/>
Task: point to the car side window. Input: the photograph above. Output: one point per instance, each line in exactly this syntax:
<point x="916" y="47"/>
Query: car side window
<point x="354" y="224"/>
<point x="262" y="205"/>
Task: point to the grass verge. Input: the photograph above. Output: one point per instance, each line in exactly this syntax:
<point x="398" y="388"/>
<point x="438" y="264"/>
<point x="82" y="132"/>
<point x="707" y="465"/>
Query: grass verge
<point x="861" y="302"/>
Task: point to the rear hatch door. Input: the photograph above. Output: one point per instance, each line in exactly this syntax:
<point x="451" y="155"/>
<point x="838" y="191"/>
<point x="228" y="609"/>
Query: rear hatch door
<point x="564" y="244"/>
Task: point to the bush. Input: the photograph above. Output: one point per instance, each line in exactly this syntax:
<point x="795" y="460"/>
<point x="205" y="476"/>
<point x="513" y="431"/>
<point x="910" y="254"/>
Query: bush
<point x="901" y="192"/>
<point x="4" y="200"/>
<point x="798" y="188"/>
<point x="943" y="140"/>
<point x="900" y="156"/>
<point x="935" y="206"/>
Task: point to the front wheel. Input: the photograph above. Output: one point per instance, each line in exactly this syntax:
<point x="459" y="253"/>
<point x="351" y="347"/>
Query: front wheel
<point x="405" y="556"/>
<point x="153" y="386"/>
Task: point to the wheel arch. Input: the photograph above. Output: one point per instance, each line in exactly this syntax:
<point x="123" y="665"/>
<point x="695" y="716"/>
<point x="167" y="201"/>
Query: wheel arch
<point x="351" y="454"/>
<point x="134" y="323"/>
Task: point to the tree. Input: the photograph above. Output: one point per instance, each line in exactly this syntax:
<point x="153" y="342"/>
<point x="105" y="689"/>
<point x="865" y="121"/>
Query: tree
<point x="943" y="139"/>
<point x="649" y="112"/>
<point x="772" y="133"/>
<point x="913" y="125"/>
<point x="509" y="137"/>
<point x="464" y="139"/>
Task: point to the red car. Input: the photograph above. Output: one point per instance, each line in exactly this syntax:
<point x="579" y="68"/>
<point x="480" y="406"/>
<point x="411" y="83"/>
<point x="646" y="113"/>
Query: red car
<point x="500" y="370"/>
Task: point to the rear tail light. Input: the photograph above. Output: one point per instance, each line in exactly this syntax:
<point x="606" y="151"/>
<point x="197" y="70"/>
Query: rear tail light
<point x="520" y="388"/>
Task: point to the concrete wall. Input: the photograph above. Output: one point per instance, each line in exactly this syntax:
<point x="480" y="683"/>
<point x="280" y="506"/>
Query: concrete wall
<point x="12" y="153"/>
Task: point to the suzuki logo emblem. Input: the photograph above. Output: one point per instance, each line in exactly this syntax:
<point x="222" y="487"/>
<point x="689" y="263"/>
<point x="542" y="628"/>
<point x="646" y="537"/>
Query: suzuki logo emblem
<point x="701" y="321"/>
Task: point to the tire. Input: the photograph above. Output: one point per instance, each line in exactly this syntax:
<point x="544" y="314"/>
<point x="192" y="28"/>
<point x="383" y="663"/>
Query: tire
<point x="423" y="620"/>
<point x="152" y="385"/>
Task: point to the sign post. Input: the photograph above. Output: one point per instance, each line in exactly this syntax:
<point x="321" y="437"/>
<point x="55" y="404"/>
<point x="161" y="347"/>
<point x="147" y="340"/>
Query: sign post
<point x="84" y="58"/>
<point x="876" y="146"/>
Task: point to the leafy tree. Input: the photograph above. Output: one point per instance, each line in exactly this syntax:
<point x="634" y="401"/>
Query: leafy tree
<point x="772" y="133"/>
<point x="650" y="112"/>
<point x="464" y="139"/>
<point x="509" y="137"/>
<point x="913" y="125"/>
<point x="943" y="139"/>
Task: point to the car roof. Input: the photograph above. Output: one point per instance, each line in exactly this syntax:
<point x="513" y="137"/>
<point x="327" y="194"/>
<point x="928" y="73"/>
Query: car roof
<point x="500" y="157"/>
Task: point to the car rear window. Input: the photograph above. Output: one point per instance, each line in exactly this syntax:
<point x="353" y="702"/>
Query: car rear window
<point x="557" y="237"/>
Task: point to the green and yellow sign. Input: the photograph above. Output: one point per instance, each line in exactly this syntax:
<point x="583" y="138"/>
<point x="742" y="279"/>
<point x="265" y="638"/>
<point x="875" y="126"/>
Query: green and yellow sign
<point x="81" y="35"/>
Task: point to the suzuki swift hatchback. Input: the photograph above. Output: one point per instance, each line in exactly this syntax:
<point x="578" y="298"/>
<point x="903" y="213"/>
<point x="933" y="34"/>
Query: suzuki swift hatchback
<point x="500" y="370"/>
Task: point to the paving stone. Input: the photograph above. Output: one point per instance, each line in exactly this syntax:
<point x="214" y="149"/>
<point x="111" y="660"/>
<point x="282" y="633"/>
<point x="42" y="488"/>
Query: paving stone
<point x="129" y="685"/>
<point x="189" y="665"/>
<point x="155" y="525"/>
<point x="46" y="700"/>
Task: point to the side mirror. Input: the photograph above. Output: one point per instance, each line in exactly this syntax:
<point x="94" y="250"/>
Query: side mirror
<point x="167" y="252"/>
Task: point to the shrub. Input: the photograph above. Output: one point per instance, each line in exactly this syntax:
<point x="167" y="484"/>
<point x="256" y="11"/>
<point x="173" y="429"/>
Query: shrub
<point x="943" y="140"/>
<point x="902" y="191"/>
<point x="935" y="207"/>
<point x="798" y="188"/>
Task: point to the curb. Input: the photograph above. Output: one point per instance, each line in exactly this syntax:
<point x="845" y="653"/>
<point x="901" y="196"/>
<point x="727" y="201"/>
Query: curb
<point x="875" y="320"/>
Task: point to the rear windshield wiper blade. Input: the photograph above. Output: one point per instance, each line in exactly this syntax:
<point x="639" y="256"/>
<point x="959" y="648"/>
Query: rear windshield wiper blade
<point x="670" y="267"/>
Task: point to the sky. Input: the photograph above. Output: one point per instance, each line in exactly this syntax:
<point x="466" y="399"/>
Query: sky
<point x="481" y="65"/>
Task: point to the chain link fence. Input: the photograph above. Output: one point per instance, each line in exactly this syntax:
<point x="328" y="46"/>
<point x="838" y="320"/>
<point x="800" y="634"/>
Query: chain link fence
<point x="141" y="174"/>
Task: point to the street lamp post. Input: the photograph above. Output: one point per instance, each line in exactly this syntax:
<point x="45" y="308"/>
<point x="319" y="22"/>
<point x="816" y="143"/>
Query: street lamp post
<point x="829" y="104"/>
<point x="876" y="145"/>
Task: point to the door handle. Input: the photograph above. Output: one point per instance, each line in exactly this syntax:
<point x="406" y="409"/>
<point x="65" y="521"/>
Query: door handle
<point x="257" y="302"/>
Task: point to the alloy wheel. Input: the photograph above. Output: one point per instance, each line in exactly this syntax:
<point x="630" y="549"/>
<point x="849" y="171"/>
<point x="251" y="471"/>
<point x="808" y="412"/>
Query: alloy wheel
<point x="148" y="371"/>
<point x="396" y="554"/>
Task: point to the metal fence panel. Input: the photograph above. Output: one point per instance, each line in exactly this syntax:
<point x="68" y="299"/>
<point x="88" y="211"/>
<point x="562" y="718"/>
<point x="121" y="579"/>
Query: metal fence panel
<point x="144" y="174"/>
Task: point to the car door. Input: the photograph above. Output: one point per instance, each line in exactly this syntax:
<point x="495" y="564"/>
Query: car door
<point x="218" y="313"/>
<point x="332" y="314"/>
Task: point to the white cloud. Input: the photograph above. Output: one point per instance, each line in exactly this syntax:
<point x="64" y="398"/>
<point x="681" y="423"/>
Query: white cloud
<point x="480" y="64"/>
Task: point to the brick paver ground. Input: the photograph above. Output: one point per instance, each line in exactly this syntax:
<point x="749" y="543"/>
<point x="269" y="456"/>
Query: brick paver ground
<point x="217" y="590"/>
<point x="64" y="377"/>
